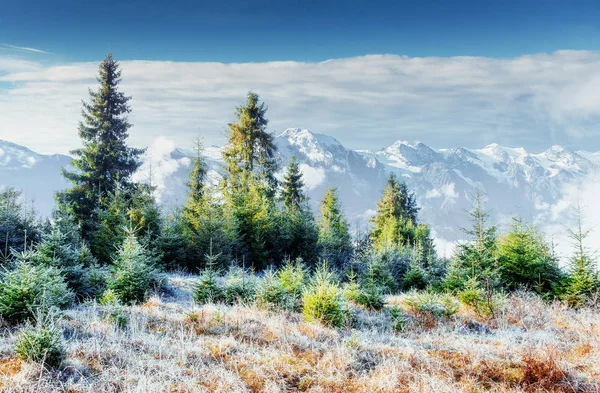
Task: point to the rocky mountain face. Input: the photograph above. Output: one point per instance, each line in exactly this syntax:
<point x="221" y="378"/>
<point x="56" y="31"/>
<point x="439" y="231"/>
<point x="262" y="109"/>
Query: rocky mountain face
<point x="515" y="182"/>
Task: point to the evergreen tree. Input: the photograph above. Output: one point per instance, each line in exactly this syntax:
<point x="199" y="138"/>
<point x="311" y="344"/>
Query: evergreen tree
<point x="396" y="219"/>
<point x="105" y="159"/>
<point x="298" y="232"/>
<point x="293" y="194"/>
<point x="110" y="226"/>
<point x="583" y="280"/>
<point x="19" y="226"/>
<point x="197" y="178"/>
<point x="526" y="260"/>
<point x="334" y="238"/>
<point x="250" y="184"/>
<point x="250" y="153"/>
<point x="475" y="258"/>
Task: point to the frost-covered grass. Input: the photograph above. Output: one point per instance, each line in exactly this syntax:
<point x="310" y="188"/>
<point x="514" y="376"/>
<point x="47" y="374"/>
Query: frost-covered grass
<point x="169" y="344"/>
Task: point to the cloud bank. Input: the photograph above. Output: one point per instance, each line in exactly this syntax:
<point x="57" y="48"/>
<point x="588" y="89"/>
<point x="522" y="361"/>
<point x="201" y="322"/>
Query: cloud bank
<point x="365" y="102"/>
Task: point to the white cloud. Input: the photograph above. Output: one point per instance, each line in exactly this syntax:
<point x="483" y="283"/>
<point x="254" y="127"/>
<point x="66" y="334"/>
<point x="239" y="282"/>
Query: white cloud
<point x="159" y="165"/>
<point x="562" y="216"/>
<point x="366" y="102"/>
<point x="447" y="191"/>
<point x="22" y="48"/>
<point x="312" y="176"/>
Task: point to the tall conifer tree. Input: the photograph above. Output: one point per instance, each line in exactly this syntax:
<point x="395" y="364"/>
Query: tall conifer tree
<point x="293" y="195"/>
<point x="334" y="238"/>
<point x="298" y="231"/>
<point x="250" y="154"/>
<point x="105" y="160"/>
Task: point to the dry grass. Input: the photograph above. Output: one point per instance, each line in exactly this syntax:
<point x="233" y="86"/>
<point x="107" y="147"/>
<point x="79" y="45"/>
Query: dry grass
<point x="170" y="345"/>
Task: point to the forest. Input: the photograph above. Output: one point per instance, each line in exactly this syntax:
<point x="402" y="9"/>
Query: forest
<point x="252" y="240"/>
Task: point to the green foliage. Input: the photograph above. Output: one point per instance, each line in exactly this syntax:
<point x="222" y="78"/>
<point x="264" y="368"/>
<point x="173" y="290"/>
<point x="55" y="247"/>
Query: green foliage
<point x="323" y="300"/>
<point x="415" y="278"/>
<point x="18" y="225"/>
<point x="583" y="280"/>
<point x="292" y="277"/>
<point x="240" y="286"/>
<point x="204" y="225"/>
<point x="41" y="343"/>
<point x="133" y="271"/>
<point x="250" y="153"/>
<point x="432" y="304"/>
<point x="105" y="160"/>
<point x="484" y="300"/>
<point x="526" y="260"/>
<point x="55" y="251"/>
<point x="399" y="319"/>
<point x="334" y="240"/>
<point x="396" y="219"/>
<point x="271" y="294"/>
<point x="371" y="293"/>
<point x="26" y="286"/>
<point x="209" y="288"/>
<point x="113" y="310"/>
<point x="249" y="213"/>
<point x="477" y="257"/>
<point x="293" y="194"/>
<point x="172" y="243"/>
<point x="123" y="209"/>
<point x="298" y="233"/>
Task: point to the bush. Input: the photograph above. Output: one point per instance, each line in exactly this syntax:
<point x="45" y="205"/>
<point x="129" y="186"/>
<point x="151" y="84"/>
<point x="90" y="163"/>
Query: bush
<point x="26" y="287"/>
<point x="270" y="293"/>
<point x="240" y="286"/>
<point x="399" y="319"/>
<point x="209" y="289"/>
<point x="133" y="271"/>
<point x="371" y="294"/>
<point x="431" y="305"/>
<point x="485" y="302"/>
<point x="41" y="343"/>
<point x="113" y="311"/>
<point x="323" y="300"/>
<point x="415" y="278"/>
<point x="292" y="277"/>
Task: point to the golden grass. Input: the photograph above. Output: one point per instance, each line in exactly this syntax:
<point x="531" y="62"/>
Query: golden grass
<point x="170" y="345"/>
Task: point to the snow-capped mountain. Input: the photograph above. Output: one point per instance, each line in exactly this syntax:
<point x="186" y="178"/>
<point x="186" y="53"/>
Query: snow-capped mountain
<point x="37" y="176"/>
<point x="516" y="182"/>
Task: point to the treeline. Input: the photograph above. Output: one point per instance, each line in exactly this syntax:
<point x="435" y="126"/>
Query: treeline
<point x="108" y="238"/>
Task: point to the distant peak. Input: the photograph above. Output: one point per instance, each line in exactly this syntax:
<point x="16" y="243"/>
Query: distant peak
<point x="292" y="132"/>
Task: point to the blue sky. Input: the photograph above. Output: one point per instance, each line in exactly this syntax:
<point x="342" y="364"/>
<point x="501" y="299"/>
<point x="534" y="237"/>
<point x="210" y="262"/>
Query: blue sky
<point x="447" y="73"/>
<point x="266" y="30"/>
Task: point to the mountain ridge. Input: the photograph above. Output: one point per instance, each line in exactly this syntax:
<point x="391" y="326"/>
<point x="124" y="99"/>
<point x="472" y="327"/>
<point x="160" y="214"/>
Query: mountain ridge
<point x="444" y="180"/>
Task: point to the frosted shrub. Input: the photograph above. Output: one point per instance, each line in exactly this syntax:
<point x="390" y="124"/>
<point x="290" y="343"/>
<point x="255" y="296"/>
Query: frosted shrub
<point x="209" y="289"/>
<point x="323" y="300"/>
<point x="25" y="287"/>
<point x="133" y="271"/>
<point x="240" y="286"/>
<point x="42" y="342"/>
<point x="429" y="307"/>
<point x="271" y="294"/>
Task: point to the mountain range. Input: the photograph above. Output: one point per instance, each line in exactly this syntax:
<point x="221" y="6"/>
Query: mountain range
<point x="514" y="181"/>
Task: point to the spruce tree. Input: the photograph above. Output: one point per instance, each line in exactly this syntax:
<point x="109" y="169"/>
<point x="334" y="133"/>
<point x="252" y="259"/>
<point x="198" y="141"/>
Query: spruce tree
<point x="293" y="194"/>
<point x="396" y="220"/>
<point x="525" y="259"/>
<point x="477" y="257"/>
<point x="334" y="238"/>
<point x="583" y="280"/>
<point x="298" y="232"/>
<point x="250" y="184"/>
<point x="105" y="160"/>
<point x="250" y="153"/>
